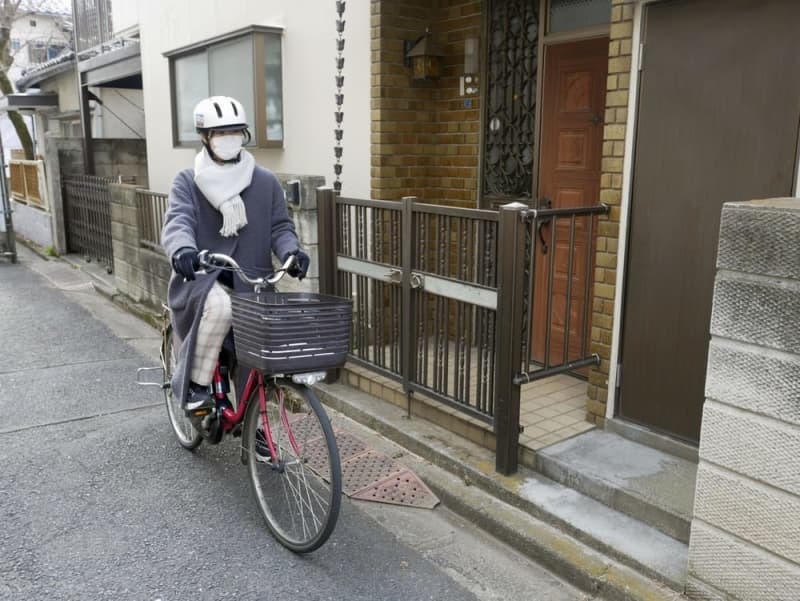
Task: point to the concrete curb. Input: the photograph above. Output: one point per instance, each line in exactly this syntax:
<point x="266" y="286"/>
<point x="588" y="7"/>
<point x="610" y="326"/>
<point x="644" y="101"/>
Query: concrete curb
<point x="465" y="481"/>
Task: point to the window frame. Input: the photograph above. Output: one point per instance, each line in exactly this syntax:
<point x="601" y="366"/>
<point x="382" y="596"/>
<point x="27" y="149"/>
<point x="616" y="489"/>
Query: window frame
<point x="258" y="122"/>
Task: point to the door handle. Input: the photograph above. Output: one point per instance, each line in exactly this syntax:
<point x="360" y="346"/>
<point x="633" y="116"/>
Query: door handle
<point x="544" y="203"/>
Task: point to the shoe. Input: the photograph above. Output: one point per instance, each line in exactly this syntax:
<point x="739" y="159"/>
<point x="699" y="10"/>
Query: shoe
<point x="198" y="399"/>
<point x="262" y="448"/>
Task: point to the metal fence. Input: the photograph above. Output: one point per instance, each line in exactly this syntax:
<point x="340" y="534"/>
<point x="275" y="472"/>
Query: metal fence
<point x="87" y="206"/>
<point x="151" y="209"/>
<point x="463" y="305"/>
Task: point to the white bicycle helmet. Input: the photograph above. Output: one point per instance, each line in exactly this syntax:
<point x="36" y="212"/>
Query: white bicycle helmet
<point x="219" y="113"/>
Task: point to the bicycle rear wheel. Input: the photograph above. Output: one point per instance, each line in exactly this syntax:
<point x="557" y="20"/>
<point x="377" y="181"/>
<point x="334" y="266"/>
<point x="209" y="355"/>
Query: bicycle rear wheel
<point x="187" y="435"/>
<point x="299" y="488"/>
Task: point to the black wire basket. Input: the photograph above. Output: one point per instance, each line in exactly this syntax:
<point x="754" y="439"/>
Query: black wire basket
<point x="291" y="332"/>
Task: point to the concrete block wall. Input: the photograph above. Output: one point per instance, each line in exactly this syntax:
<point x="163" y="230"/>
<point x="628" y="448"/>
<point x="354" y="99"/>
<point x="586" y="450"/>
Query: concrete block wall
<point x="745" y="539"/>
<point x="32" y="223"/>
<point x="121" y="159"/>
<point x="140" y="273"/>
<point x="304" y="216"/>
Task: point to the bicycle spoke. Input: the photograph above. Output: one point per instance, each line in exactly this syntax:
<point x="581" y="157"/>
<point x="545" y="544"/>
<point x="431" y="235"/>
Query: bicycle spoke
<point x="298" y="493"/>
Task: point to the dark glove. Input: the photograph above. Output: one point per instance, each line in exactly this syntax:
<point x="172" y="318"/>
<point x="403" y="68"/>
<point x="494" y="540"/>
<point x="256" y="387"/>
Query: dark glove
<point x="301" y="264"/>
<point x="185" y="262"/>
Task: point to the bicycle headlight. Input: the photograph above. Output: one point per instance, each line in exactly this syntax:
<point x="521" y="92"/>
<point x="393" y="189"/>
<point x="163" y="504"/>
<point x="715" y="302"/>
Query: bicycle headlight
<point x="309" y="379"/>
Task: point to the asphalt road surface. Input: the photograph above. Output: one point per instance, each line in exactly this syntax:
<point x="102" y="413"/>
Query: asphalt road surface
<point x="98" y="501"/>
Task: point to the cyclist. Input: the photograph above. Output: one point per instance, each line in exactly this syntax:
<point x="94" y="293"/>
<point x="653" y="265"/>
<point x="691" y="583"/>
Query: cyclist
<point x="226" y="204"/>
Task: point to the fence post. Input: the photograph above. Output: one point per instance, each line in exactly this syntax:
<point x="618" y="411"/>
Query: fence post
<point x="407" y="350"/>
<point x="326" y="238"/>
<point x="510" y="281"/>
<point x="326" y="249"/>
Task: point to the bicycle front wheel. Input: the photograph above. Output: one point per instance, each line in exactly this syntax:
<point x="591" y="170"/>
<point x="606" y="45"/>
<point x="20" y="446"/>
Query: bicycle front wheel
<point x="293" y="463"/>
<point x="185" y="432"/>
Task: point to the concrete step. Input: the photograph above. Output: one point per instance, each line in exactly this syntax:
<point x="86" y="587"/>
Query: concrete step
<point x="645" y="483"/>
<point x="571" y="533"/>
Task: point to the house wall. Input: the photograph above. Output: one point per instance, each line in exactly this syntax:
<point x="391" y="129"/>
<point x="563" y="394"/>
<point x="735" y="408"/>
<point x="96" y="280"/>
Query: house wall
<point x="125" y="18"/>
<point x="309" y="86"/>
<point x="745" y="539"/>
<point x="425" y="141"/>
<point x="611" y="185"/>
<point x="47" y="30"/>
<point x="120" y="116"/>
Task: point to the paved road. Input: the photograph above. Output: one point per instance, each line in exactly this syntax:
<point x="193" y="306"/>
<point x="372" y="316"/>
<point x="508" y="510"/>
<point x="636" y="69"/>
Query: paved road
<point x="97" y="500"/>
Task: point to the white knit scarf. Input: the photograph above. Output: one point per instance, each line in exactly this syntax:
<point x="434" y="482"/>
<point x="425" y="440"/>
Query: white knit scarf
<point x="222" y="186"/>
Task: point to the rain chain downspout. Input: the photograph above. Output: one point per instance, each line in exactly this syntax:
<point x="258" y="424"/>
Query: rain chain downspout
<point x="338" y="114"/>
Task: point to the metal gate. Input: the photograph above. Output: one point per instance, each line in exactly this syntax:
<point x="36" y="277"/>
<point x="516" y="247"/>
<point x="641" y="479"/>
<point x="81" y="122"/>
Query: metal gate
<point x="87" y="208"/>
<point x="443" y="298"/>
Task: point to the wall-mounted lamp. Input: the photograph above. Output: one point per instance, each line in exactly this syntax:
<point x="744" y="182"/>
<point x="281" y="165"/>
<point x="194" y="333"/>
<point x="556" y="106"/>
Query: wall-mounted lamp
<point x="423" y="56"/>
<point x="469" y="81"/>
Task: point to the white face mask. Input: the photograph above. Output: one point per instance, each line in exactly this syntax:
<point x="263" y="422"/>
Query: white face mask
<point x="227" y="146"/>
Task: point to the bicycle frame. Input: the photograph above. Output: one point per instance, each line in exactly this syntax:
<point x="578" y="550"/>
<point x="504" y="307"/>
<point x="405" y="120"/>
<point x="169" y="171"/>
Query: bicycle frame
<point x="231" y="418"/>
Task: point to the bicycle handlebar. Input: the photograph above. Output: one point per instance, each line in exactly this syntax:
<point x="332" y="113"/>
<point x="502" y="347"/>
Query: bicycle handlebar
<point x="207" y="259"/>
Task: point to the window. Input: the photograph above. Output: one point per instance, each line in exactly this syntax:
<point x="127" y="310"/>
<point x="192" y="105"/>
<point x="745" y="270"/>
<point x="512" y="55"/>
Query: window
<point x="566" y="15"/>
<point x="15" y="45"/>
<point x="53" y="50"/>
<point x="247" y="65"/>
<point x="37" y="52"/>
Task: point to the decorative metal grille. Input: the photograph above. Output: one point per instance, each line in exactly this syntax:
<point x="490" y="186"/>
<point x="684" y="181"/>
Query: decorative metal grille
<point x="511" y="99"/>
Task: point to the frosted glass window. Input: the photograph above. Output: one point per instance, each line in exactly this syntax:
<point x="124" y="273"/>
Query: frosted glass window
<point x="273" y="82"/>
<point x="566" y="15"/>
<point x="191" y="86"/>
<point x="230" y="73"/>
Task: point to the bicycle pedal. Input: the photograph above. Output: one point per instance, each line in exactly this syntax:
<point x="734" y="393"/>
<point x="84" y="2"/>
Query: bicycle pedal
<point x="198" y="413"/>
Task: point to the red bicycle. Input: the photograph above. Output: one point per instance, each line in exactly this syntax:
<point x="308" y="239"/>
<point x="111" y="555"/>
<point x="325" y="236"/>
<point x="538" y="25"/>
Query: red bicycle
<point x="286" y="341"/>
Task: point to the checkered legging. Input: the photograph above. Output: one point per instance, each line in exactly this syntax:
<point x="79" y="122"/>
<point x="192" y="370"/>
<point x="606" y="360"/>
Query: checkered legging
<point x="214" y="326"/>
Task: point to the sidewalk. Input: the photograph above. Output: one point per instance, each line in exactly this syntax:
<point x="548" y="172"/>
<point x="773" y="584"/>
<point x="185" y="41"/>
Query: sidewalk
<point x="599" y="549"/>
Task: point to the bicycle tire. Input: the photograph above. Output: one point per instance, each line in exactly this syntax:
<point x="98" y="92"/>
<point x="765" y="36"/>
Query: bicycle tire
<point x="299" y="492"/>
<point x="187" y="435"/>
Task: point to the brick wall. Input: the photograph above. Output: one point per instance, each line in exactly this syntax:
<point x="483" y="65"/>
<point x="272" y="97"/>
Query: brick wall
<point x="424" y="139"/>
<point x="618" y="84"/>
<point x="745" y="539"/>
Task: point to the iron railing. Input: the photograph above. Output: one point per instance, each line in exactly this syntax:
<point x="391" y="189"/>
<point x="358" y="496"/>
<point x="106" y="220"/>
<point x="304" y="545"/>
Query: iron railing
<point x="151" y="209"/>
<point x="421" y="278"/>
<point x="87" y="201"/>
<point x="461" y="304"/>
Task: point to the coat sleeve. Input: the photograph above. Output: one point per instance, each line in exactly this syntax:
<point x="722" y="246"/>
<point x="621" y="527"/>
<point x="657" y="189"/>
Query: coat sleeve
<point x="284" y="237"/>
<point x="180" y="220"/>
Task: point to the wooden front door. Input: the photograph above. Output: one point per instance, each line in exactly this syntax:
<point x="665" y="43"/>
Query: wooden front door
<point x="717" y="122"/>
<point x="573" y="106"/>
